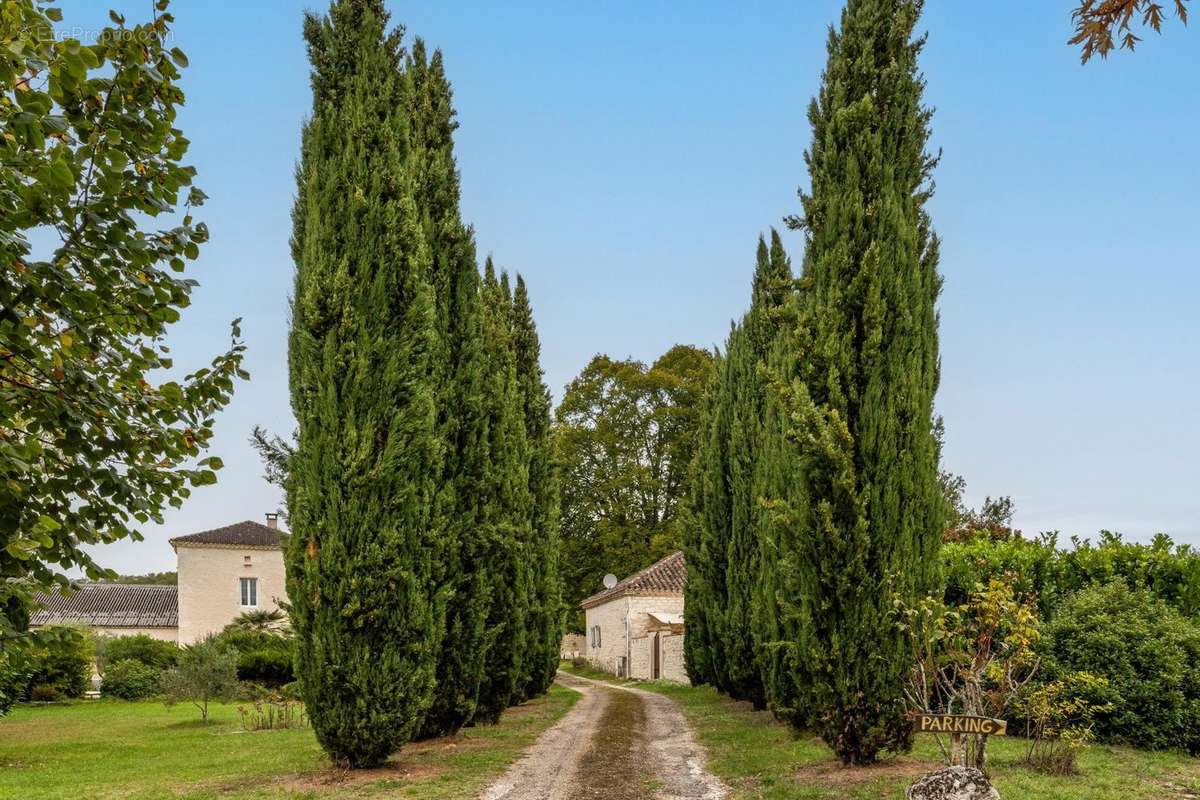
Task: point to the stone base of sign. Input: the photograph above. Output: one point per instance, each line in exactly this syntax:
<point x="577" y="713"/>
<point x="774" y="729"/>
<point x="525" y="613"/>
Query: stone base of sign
<point x="953" y="783"/>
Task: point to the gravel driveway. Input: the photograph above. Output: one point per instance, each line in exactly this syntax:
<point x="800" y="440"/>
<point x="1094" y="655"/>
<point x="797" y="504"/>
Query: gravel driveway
<point x="616" y="743"/>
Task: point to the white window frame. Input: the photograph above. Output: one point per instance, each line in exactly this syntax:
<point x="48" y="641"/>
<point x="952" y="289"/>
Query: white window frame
<point x="248" y="590"/>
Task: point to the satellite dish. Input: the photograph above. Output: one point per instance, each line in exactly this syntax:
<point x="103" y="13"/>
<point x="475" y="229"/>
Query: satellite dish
<point x="610" y="581"/>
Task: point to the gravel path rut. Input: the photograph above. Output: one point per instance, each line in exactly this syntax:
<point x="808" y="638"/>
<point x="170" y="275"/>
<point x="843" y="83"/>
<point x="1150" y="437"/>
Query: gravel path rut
<point x="617" y="743"/>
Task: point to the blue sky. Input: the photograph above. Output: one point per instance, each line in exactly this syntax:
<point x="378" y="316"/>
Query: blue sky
<point x="624" y="156"/>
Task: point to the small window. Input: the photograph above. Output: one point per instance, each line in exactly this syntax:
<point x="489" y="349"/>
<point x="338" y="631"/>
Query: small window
<point x="249" y="592"/>
<point x="595" y="636"/>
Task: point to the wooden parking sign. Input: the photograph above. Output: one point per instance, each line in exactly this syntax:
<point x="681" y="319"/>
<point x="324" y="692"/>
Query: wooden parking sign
<point x="960" y="724"/>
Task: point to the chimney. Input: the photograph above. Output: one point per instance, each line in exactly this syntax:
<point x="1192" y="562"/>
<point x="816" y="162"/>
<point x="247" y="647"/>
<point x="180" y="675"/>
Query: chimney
<point x="272" y="520"/>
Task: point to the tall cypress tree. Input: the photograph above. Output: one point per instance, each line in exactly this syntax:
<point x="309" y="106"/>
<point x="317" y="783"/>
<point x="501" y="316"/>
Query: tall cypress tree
<point x="362" y="361"/>
<point x="545" y="601"/>
<point x="507" y="511"/>
<point x="708" y="558"/>
<point x="462" y="579"/>
<point x="700" y="646"/>
<point x="861" y="413"/>
<point x="747" y="352"/>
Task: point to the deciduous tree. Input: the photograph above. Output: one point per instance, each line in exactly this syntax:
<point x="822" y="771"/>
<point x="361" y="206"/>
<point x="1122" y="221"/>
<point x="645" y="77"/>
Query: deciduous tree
<point x="1101" y="24"/>
<point x="96" y="229"/>
<point x="625" y="437"/>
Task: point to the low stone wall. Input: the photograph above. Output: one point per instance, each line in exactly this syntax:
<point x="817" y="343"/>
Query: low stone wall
<point x="574" y="645"/>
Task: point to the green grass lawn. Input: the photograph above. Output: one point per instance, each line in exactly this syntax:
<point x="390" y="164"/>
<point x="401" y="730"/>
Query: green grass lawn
<point x="139" y="751"/>
<point x="760" y="758"/>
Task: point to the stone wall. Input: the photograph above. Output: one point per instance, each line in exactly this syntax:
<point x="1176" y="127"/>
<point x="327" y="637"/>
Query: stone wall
<point x="610" y="617"/>
<point x="624" y="637"/>
<point x="573" y="646"/>
<point x="673" y="666"/>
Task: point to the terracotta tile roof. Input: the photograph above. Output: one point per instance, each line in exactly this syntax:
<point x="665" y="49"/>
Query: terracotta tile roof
<point x="110" y="605"/>
<point x="666" y="577"/>
<point x="239" y="534"/>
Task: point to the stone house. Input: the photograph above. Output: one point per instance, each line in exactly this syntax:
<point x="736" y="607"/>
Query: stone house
<point x="635" y="628"/>
<point x="221" y="573"/>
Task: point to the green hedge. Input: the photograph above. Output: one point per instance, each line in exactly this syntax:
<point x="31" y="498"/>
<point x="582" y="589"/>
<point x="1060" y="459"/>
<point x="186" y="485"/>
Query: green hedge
<point x="1169" y="572"/>
<point x="141" y="648"/>
<point x="272" y="668"/>
<point x="1148" y="651"/>
<point x="264" y="657"/>
<point x="130" y="679"/>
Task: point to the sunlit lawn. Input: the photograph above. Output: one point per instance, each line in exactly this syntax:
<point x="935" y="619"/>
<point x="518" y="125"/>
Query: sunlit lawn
<point x="144" y="751"/>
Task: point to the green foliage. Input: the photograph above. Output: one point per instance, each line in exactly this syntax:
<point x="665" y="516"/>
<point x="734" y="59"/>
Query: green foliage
<point x="96" y="229"/>
<point x="545" y="597"/>
<point x="272" y="668"/>
<point x="14" y="677"/>
<point x="1039" y="567"/>
<point x="462" y="571"/>
<point x="507" y="520"/>
<point x="260" y="620"/>
<point x="973" y="659"/>
<point x="60" y="657"/>
<point x="625" y="436"/>
<point x="266" y="652"/>
<point x="1148" y="653"/>
<point x="129" y="679"/>
<point x="140" y="647"/>
<point x="363" y="359"/>
<point x="206" y="672"/>
<point x="1060" y="716"/>
<point x="248" y="640"/>
<point x="722" y="549"/>
<point x="860" y="404"/>
<point x="698" y="532"/>
<point x="420" y="481"/>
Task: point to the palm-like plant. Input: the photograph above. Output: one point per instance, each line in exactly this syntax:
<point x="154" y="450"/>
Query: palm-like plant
<point x="260" y="620"/>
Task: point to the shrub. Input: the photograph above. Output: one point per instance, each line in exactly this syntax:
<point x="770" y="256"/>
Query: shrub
<point x="1060" y="717"/>
<point x="264" y="655"/>
<point x="1150" y="656"/>
<point x="61" y="657"/>
<point x="130" y="679"/>
<point x="44" y="693"/>
<point x="141" y="648"/>
<point x="248" y="641"/>
<point x="973" y="659"/>
<point x="269" y="667"/>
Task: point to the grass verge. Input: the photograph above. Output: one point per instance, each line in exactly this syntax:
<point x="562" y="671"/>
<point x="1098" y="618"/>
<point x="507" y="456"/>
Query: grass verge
<point x="109" y="750"/>
<point x="762" y="759"/>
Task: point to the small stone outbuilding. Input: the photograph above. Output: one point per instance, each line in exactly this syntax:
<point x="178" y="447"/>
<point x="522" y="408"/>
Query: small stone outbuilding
<point x="635" y="629"/>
